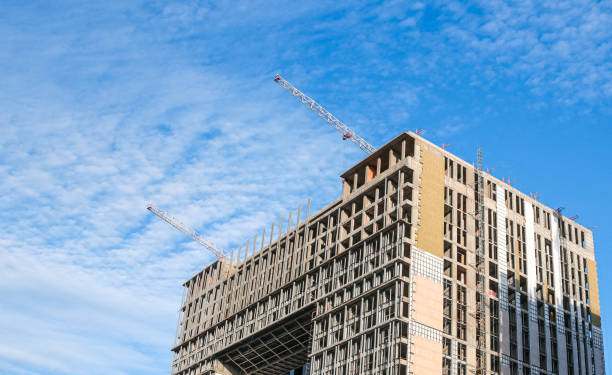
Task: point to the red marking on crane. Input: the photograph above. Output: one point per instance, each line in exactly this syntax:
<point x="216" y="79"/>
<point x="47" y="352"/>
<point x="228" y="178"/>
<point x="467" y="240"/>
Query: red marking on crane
<point x="574" y="217"/>
<point x="346" y="136"/>
<point x="277" y="78"/>
<point x="418" y="131"/>
<point x="444" y="146"/>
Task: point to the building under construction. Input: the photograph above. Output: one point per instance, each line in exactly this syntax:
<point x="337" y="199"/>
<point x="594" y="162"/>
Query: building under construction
<point x="424" y="265"/>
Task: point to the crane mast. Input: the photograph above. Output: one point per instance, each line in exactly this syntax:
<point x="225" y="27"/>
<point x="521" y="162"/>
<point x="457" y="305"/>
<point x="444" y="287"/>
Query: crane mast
<point x="165" y="216"/>
<point x="347" y="133"/>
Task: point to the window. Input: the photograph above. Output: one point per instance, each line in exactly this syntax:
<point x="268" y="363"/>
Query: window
<point x="494" y="363"/>
<point x="461" y="351"/>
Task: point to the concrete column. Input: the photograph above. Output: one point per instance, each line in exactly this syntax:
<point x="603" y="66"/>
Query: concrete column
<point x="561" y="344"/>
<point x="519" y="329"/>
<point x="580" y="338"/>
<point x="392" y="158"/>
<point x="504" y="319"/>
<point x="574" y="336"/>
<point x="534" y="346"/>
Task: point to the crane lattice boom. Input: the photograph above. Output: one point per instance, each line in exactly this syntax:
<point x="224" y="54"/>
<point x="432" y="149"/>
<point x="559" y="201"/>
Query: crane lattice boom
<point x="165" y="216"/>
<point x="346" y="132"/>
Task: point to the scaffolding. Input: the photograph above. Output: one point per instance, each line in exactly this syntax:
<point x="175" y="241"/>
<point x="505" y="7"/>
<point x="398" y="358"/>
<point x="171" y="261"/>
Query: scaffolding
<point x="481" y="297"/>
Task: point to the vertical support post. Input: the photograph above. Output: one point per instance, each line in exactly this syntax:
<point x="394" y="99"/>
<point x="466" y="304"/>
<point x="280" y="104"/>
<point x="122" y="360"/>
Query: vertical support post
<point x="297" y="221"/>
<point x="263" y="239"/>
<point x="481" y="320"/>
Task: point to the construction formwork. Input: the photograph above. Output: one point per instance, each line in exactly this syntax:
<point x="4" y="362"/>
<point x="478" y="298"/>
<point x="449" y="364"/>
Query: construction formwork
<point x="384" y="281"/>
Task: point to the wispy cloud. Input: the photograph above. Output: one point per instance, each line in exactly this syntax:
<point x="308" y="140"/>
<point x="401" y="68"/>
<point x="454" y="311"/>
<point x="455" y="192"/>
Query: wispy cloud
<point x="106" y="106"/>
<point x="91" y="281"/>
<point x="558" y="48"/>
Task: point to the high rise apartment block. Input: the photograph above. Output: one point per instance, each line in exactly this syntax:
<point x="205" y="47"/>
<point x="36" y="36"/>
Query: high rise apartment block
<point x="386" y="280"/>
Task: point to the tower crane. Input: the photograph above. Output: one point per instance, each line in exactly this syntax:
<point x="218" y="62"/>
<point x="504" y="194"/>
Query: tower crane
<point x="346" y="132"/>
<point x="165" y="216"/>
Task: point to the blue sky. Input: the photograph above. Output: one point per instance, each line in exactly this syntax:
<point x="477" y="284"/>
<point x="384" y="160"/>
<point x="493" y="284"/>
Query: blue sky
<point x="107" y="105"/>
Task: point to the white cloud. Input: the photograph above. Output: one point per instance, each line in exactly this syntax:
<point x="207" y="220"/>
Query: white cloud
<point x="91" y="280"/>
<point x="144" y="104"/>
<point x="559" y="48"/>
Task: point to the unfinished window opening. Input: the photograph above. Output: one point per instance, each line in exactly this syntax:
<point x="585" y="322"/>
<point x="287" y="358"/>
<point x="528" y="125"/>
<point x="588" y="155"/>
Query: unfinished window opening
<point x="511" y="279"/>
<point x="393" y="215"/>
<point x="391" y="184"/>
<point x="405" y="270"/>
<point x="448" y="268"/>
<point x="408" y="146"/>
<point x="370" y="171"/>
<point x="407" y="193"/>
<point x="461" y="275"/>
<point x="523" y="284"/>
<point x="576" y="236"/>
<point x="493" y="270"/>
<point x="461" y="256"/>
<point x="407" y="213"/>
<point x="395" y="154"/>
<point x="448" y="210"/>
<point x="493" y="288"/>
<point x="357" y="222"/>
<point x="368" y="199"/>
<point x="551" y="299"/>
<point x="448" y="249"/>
<point x="406" y="250"/>
<point x="407" y="175"/>
<point x="361" y="178"/>
<point x="492" y="251"/>
<point x="392" y="201"/>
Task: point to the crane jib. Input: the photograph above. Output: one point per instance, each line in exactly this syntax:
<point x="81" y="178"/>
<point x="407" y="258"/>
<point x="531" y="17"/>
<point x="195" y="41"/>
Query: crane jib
<point x="347" y="133"/>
